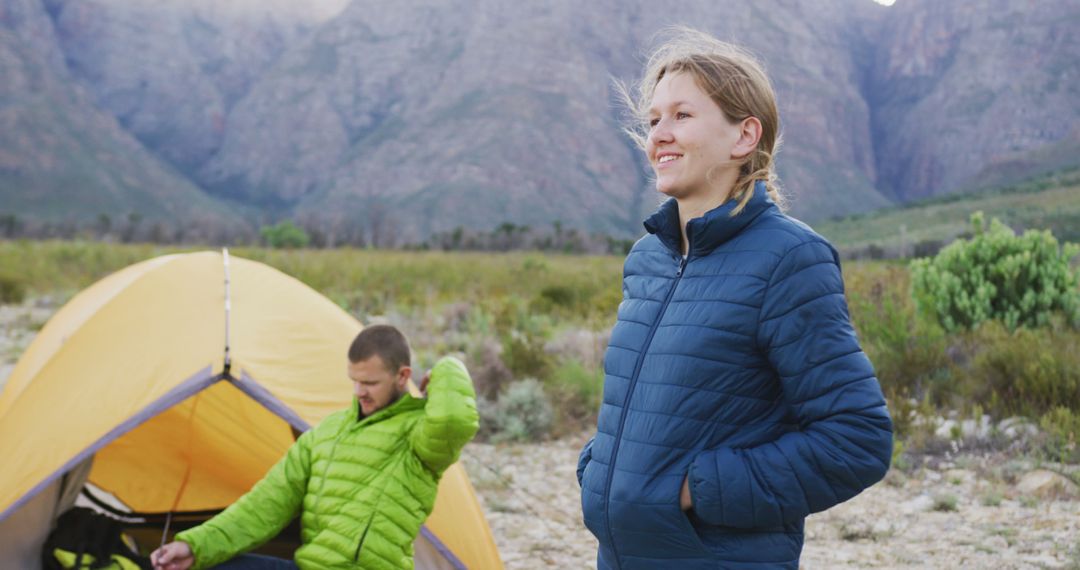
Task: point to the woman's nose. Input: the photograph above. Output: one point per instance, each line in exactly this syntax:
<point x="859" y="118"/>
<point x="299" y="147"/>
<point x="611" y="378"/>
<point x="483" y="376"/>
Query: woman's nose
<point x="660" y="133"/>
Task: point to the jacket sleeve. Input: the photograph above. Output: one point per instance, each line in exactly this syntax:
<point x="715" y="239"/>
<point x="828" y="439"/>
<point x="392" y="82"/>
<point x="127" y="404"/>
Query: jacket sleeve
<point x="450" y="418"/>
<point x="844" y="439"/>
<point x="257" y="516"/>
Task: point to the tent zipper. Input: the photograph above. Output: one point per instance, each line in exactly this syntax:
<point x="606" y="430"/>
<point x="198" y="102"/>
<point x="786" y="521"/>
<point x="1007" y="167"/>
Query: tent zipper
<point x="629" y="394"/>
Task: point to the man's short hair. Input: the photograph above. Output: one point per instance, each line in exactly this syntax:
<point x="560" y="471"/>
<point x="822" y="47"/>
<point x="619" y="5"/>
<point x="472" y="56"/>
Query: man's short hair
<point x="383" y="341"/>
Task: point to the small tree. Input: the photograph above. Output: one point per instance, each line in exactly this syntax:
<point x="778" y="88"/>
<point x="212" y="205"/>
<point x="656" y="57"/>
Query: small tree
<point x="1019" y="280"/>
<point x="284" y="235"/>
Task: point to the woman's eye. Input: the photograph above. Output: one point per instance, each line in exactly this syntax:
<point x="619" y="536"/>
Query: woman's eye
<point x="681" y="115"/>
<point x="653" y="122"/>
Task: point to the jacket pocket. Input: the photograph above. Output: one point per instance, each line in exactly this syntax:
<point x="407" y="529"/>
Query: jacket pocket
<point x="583" y="460"/>
<point x="692" y="533"/>
<point x="686" y="524"/>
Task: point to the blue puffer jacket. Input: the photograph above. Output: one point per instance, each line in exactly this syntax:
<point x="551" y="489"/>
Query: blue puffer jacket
<point x="739" y="368"/>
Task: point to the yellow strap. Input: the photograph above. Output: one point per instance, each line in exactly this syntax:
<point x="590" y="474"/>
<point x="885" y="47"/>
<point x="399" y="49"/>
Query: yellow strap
<point x="67" y="559"/>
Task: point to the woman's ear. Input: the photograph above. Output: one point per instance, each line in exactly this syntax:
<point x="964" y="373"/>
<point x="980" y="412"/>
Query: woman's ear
<point x="749" y="135"/>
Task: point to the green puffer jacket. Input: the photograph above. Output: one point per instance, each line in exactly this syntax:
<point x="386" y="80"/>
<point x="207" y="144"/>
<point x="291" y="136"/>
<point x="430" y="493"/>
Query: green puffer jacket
<point x="364" y="487"/>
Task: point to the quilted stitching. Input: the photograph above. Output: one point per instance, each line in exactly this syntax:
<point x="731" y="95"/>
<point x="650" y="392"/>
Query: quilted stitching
<point x="343" y="472"/>
<point x="753" y="383"/>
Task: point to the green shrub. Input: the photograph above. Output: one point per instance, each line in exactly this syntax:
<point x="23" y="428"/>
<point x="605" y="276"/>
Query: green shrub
<point x="907" y="350"/>
<point x="522" y="413"/>
<point x="576" y="391"/>
<point x="12" y="289"/>
<point x="1019" y="280"/>
<point x="1061" y="427"/>
<point x="524" y="354"/>
<point x="946" y="503"/>
<point x="556" y="297"/>
<point x="284" y="235"/>
<point x="1023" y="372"/>
<point x="992" y="498"/>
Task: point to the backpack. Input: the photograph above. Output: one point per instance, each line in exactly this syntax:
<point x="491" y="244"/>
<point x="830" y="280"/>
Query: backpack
<point x="85" y="539"/>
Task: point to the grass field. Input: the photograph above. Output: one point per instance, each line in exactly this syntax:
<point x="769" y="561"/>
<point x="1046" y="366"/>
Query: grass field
<point x="362" y="281"/>
<point x="528" y="315"/>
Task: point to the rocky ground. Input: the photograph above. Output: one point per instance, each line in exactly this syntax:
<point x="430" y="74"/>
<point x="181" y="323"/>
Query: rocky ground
<point x="970" y="511"/>
<point x="979" y="507"/>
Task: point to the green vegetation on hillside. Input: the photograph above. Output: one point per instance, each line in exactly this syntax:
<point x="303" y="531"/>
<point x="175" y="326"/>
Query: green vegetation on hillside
<point x="1049" y="202"/>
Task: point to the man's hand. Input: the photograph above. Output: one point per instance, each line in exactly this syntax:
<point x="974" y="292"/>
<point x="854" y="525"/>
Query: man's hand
<point x="173" y="556"/>
<point x="424" y="382"/>
<point x="685" y="501"/>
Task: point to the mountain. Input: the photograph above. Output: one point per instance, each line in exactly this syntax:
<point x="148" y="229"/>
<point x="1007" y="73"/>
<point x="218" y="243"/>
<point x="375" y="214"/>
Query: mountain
<point x="384" y="123"/>
<point x="170" y="71"/>
<point x="473" y="113"/>
<point x="973" y="94"/>
<point x="63" y="159"/>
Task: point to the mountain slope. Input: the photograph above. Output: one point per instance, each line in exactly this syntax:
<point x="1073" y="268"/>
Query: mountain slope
<point x="171" y="70"/>
<point x="971" y="94"/>
<point x="62" y="159"/>
<point x="474" y="113"/>
<point x="386" y="122"/>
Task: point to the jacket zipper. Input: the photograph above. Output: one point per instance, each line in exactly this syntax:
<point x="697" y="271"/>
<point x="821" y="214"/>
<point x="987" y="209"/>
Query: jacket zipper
<point x="626" y="402"/>
<point x="363" y="535"/>
<point x="341" y="433"/>
<point x="374" y="510"/>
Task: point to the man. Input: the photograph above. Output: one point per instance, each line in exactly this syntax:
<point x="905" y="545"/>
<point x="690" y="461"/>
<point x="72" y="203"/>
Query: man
<point x="363" y="480"/>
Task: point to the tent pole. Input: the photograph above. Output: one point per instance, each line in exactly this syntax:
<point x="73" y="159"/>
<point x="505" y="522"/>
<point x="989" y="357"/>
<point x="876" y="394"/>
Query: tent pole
<point x="228" y="308"/>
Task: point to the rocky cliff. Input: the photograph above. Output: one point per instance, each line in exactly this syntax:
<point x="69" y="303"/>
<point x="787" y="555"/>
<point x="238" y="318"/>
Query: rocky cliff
<point x="62" y="158"/>
<point x="393" y="121"/>
<point x="968" y="94"/>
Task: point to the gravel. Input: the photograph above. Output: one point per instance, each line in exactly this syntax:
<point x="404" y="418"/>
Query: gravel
<point x="963" y="513"/>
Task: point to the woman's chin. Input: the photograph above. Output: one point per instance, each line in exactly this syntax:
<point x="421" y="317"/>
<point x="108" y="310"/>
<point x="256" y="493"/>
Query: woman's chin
<point x="670" y="190"/>
<point x="667" y="189"/>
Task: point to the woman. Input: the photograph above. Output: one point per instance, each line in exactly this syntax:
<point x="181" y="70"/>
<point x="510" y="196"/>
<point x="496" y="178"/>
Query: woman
<point x="736" y="398"/>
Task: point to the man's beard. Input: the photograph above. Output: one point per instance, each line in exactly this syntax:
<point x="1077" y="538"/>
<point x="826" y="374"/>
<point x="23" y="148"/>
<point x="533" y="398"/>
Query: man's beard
<point x="394" y="397"/>
<point x="398" y="393"/>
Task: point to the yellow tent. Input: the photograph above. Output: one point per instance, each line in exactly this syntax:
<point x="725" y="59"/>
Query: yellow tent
<point x="134" y="371"/>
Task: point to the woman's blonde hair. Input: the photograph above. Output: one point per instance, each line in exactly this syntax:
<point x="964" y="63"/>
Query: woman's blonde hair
<point x="734" y="79"/>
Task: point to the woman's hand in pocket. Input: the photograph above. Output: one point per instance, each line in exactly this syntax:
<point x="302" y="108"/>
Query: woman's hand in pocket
<point x="685" y="500"/>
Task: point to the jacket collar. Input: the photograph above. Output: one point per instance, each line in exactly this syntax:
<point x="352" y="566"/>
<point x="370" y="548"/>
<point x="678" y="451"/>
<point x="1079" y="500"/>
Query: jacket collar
<point x="406" y="403"/>
<point x="711" y="230"/>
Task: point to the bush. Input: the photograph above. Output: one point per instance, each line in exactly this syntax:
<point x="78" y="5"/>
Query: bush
<point x="556" y="296"/>
<point x="284" y="235"/>
<point x="576" y="391"/>
<point x="946" y="503"/>
<point x="1019" y="280"/>
<point x="908" y="352"/>
<point x="1023" y="372"/>
<point x="1061" y="427"/>
<point x="12" y="289"/>
<point x="522" y="413"/>
<point x="489" y="372"/>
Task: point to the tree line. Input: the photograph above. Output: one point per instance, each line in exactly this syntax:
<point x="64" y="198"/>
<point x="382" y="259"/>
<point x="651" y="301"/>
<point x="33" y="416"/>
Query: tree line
<point x="133" y="227"/>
